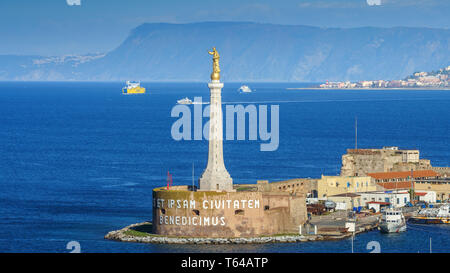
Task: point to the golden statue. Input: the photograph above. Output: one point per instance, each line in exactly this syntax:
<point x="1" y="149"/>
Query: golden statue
<point x="215" y="75"/>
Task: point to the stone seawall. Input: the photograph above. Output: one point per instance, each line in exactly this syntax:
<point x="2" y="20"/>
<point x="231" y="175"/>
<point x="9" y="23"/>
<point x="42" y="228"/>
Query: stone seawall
<point x="130" y="234"/>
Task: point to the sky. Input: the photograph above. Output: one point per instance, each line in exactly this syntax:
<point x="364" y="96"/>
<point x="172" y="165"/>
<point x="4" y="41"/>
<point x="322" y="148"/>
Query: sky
<point x="61" y="27"/>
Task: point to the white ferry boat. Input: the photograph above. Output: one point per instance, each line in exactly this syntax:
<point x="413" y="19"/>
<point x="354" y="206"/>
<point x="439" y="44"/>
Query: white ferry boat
<point x="184" y="101"/>
<point x="392" y="221"/>
<point x="244" y="89"/>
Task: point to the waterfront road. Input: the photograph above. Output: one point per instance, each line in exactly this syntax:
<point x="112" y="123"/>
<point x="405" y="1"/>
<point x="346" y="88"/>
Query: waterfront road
<point x="339" y="218"/>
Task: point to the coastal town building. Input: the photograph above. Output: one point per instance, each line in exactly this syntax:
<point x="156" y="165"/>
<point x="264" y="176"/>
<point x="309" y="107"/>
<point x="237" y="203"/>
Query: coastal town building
<point x="335" y="185"/>
<point x="395" y="198"/>
<point x="377" y="206"/>
<point x="346" y="201"/>
<point x="435" y="79"/>
<point x="372" y="175"/>
<point x="428" y="190"/>
<point x="388" y="186"/>
<point x="383" y="177"/>
<point x="441" y="186"/>
<point x="423" y="180"/>
<point x="426" y="196"/>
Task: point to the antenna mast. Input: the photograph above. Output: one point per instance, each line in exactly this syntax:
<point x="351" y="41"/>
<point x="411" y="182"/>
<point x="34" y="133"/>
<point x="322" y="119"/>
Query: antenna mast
<point x="356" y="133"/>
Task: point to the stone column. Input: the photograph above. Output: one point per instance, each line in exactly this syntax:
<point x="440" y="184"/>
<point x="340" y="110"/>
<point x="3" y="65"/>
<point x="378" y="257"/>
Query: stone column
<point x="216" y="177"/>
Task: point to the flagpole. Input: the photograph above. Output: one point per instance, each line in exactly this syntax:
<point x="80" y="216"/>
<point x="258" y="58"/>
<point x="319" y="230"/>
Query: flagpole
<point x="356" y="133"/>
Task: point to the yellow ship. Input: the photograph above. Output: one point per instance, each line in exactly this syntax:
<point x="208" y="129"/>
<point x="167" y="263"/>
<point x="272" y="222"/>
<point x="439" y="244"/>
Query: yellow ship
<point x="133" y="88"/>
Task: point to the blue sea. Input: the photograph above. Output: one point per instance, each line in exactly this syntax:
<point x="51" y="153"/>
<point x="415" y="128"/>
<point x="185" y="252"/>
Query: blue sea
<point x="78" y="160"/>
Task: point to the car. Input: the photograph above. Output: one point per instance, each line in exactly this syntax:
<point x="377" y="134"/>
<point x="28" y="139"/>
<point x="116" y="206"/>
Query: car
<point x="330" y="204"/>
<point x="421" y="204"/>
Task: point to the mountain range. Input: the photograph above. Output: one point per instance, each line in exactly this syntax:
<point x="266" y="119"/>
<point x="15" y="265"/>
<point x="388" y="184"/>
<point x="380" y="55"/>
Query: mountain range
<point x="249" y="52"/>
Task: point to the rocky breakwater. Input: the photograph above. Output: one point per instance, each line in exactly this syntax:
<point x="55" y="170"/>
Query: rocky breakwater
<point x="140" y="233"/>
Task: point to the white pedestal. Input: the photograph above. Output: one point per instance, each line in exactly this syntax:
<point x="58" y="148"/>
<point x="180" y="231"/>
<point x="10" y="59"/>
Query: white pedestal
<point x="216" y="177"/>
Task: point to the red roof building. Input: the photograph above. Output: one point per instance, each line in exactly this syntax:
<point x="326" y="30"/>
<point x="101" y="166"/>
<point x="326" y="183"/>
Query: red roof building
<point x="379" y="203"/>
<point x="403" y="176"/>
<point x="395" y="185"/>
<point x="420" y="193"/>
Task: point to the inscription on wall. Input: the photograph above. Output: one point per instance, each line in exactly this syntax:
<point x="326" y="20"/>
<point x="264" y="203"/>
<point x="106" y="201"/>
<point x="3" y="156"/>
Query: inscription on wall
<point x="196" y="219"/>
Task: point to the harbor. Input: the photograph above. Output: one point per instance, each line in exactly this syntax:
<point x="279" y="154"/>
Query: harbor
<point x="362" y="199"/>
<point x="226" y="135"/>
<point x="374" y="189"/>
<point x="326" y="228"/>
<point x="330" y="227"/>
<point x="117" y="192"/>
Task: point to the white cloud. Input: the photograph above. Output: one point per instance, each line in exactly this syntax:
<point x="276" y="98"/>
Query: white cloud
<point x="73" y="2"/>
<point x="374" y="2"/>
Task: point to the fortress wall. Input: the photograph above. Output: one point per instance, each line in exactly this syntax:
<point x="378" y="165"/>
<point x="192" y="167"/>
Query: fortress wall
<point x="297" y="185"/>
<point x="363" y="161"/>
<point x="443" y="171"/>
<point x="423" y="164"/>
<point x="362" y="164"/>
<point x="225" y="214"/>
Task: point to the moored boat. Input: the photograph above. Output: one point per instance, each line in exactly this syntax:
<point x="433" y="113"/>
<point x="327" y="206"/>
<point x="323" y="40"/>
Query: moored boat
<point x="392" y="221"/>
<point x="439" y="215"/>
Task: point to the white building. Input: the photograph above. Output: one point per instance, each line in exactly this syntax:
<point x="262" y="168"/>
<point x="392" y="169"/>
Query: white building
<point x="376" y="206"/>
<point x="396" y="199"/>
<point x="411" y="156"/>
<point x="426" y="196"/>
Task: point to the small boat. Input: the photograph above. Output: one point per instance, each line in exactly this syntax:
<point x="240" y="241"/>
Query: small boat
<point x="133" y="88"/>
<point x="392" y="221"/>
<point x="244" y="89"/>
<point x="439" y="215"/>
<point x="184" y="101"/>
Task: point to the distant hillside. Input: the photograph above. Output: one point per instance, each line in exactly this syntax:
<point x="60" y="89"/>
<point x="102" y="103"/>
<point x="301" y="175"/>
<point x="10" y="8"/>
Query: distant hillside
<point x="38" y="68"/>
<point x="253" y="52"/>
<point x="443" y="72"/>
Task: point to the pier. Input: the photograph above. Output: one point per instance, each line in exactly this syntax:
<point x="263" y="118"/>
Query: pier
<point x="334" y="224"/>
